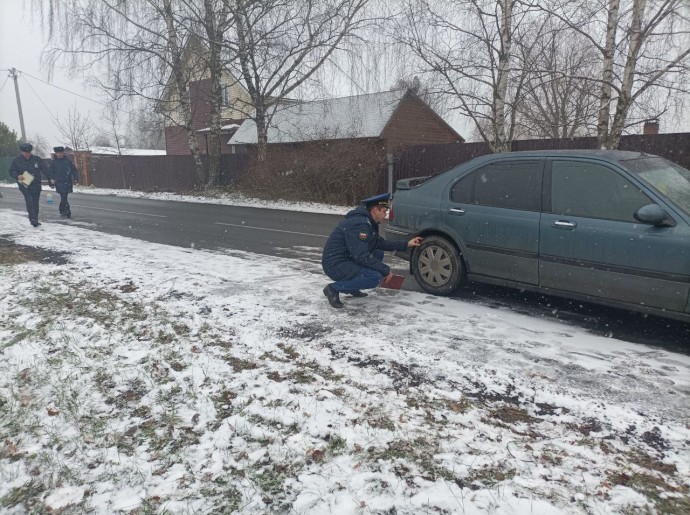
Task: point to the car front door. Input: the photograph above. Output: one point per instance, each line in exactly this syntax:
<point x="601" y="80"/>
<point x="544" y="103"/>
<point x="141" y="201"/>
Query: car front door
<point x="494" y="213"/>
<point x="590" y="242"/>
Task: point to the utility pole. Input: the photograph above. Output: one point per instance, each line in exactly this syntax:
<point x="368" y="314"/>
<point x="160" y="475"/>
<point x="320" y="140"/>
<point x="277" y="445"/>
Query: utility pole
<point x="13" y="74"/>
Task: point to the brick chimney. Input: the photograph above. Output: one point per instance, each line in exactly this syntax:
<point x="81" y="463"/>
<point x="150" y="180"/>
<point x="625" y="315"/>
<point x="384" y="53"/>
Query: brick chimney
<point x="651" y="127"/>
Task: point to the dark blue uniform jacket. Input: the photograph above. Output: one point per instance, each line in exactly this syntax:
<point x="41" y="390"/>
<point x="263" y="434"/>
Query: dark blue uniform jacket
<point x="351" y="246"/>
<point x="64" y="173"/>
<point x="33" y="165"/>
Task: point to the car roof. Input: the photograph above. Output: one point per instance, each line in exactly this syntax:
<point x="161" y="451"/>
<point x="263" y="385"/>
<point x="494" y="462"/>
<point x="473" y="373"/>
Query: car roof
<point x="615" y="155"/>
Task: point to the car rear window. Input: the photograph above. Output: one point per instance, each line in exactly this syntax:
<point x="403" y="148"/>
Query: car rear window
<point x="506" y="184"/>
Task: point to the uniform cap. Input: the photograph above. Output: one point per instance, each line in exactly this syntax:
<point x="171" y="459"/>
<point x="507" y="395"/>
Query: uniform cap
<point x="58" y="149"/>
<point x="383" y="200"/>
<point x="26" y="147"/>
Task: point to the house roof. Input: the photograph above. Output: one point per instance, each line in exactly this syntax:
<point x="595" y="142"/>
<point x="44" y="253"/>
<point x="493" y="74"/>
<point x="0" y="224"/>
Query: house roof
<point x="112" y="151"/>
<point x="362" y="116"/>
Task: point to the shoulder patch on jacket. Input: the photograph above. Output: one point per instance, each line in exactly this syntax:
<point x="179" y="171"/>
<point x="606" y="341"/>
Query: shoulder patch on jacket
<point x="363" y="235"/>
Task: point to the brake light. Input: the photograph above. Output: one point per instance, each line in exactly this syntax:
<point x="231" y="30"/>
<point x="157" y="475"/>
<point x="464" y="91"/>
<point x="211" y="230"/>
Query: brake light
<point x="390" y="214"/>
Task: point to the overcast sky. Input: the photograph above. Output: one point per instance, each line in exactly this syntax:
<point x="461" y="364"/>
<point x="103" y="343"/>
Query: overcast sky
<point x="43" y="105"/>
<point x="21" y="44"/>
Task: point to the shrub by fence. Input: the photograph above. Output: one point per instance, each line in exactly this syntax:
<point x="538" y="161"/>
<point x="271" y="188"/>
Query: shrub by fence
<point x="337" y="172"/>
<point x="5" y="163"/>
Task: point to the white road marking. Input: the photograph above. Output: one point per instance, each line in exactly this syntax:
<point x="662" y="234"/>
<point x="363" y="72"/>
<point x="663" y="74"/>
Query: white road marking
<point x="119" y="211"/>
<point x="274" y="230"/>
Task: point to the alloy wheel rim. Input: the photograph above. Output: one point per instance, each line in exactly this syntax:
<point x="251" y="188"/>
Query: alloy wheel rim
<point x="435" y="266"/>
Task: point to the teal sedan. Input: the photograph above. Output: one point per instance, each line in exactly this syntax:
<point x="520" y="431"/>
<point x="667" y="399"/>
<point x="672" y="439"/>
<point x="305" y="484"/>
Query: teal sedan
<point x="609" y="227"/>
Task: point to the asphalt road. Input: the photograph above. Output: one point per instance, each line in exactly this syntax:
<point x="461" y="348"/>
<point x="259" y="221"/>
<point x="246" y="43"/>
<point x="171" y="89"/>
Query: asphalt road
<point x="187" y="224"/>
<point x="302" y="235"/>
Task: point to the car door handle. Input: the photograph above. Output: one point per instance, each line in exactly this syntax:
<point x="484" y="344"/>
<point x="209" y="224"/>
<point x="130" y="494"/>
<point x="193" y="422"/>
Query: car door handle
<point x="456" y="211"/>
<point x="562" y="224"/>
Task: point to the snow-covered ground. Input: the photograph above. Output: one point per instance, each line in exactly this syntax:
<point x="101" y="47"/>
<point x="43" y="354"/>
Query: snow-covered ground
<point x="228" y="199"/>
<point x="142" y="378"/>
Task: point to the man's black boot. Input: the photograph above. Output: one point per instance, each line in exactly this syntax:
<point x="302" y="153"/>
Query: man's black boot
<point x="332" y="296"/>
<point x="358" y="293"/>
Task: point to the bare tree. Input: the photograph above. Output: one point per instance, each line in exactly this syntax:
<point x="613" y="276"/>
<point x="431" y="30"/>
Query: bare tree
<point x="114" y="133"/>
<point x="643" y="45"/>
<point x="76" y="130"/>
<point x="275" y="46"/>
<point x="134" y="45"/>
<point x="559" y="100"/>
<point x="41" y="146"/>
<point x="214" y="20"/>
<point x="470" y="44"/>
<point x="146" y="128"/>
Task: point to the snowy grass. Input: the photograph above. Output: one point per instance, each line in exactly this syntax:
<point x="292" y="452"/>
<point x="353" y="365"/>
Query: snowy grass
<point x="140" y="378"/>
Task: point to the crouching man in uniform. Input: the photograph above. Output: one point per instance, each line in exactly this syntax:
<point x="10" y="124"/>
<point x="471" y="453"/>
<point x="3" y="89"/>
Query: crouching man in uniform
<point x="27" y="168"/>
<point x="353" y="255"/>
<point x="61" y="175"/>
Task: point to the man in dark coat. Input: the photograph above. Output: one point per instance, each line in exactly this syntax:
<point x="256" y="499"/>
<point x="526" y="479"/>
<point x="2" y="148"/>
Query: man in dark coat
<point x="353" y="255"/>
<point x="27" y="169"/>
<point x="61" y="175"/>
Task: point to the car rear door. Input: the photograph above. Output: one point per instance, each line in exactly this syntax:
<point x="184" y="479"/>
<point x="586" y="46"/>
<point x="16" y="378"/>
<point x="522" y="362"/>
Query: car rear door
<point x="494" y="213"/>
<point x="591" y="244"/>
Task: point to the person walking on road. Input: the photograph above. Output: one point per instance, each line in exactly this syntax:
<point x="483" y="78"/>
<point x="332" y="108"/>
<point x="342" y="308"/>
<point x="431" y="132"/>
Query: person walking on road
<point x="62" y="174"/>
<point x="353" y="254"/>
<point x="27" y="169"/>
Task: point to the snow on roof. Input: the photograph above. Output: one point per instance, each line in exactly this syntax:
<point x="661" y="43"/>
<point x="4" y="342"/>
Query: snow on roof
<point x="362" y="116"/>
<point x="112" y="151"/>
<point x="223" y="128"/>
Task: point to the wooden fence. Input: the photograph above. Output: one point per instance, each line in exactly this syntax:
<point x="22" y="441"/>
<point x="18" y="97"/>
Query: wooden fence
<point x="177" y="174"/>
<point x="159" y="173"/>
<point x="423" y="160"/>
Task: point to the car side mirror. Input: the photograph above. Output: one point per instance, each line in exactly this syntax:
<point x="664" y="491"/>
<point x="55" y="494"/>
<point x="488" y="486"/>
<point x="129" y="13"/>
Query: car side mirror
<point x="653" y="214"/>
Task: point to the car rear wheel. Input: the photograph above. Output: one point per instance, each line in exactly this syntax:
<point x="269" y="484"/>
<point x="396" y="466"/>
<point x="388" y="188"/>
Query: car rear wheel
<point x="437" y="266"/>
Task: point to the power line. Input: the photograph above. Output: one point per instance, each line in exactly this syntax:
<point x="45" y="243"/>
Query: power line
<point x="65" y="90"/>
<point x="76" y="94"/>
<point x="3" y="84"/>
<point x="52" y="116"/>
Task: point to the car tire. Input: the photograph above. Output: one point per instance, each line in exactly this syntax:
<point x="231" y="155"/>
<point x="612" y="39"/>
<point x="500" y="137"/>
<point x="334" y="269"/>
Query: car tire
<point x="437" y="266"/>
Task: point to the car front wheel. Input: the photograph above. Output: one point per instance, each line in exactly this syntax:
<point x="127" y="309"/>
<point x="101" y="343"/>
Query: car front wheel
<point x="437" y="266"/>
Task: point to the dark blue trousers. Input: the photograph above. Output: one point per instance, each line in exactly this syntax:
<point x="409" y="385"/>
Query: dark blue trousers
<point x="64" y="205"/>
<point x="365" y="279"/>
<point x="31" y="197"/>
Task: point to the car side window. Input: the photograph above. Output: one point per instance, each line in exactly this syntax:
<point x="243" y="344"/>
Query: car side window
<point x="579" y="188"/>
<point x="506" y="184"/>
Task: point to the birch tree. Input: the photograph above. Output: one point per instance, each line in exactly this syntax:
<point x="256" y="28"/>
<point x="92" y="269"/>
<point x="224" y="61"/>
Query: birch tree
<point x="471" y="45"/>
<point x="209" y="21"/>
<point x="274" y="47"/>
<point x="643" y="45"/>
